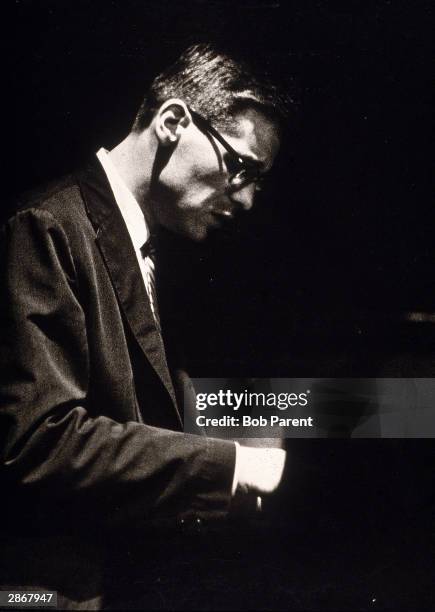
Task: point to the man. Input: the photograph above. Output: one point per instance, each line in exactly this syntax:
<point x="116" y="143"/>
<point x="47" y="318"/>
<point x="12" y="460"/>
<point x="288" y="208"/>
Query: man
<point x="92" y="432"/>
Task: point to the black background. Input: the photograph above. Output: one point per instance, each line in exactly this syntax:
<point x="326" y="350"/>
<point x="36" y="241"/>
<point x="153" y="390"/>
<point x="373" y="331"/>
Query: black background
<point x="316" y="281"/>
<point x="319" y="278"/>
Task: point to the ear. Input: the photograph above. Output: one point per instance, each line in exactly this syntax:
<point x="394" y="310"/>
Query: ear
<point x="171" y="120"/>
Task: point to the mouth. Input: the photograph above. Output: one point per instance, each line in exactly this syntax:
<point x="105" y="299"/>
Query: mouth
<point x="222" y="216"/>
<point x="222" y="222"/>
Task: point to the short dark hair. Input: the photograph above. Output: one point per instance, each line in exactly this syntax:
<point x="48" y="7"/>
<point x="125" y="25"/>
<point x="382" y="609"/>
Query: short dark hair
<point x="215" y="85"/>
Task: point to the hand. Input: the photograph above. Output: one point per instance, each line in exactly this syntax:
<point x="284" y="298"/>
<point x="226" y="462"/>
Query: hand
<point x="259" y="470"/>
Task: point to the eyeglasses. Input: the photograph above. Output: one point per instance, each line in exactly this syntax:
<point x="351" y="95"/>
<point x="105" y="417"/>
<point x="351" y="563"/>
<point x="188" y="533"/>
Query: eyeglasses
<point x="243" y="171"/>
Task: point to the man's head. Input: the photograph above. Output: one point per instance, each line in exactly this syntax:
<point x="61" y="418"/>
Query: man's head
<point x="216" y="131"/>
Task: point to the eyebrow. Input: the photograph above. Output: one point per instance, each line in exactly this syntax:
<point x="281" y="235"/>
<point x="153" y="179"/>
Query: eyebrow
<point x="249" y="159"/>
<point x="260" y="164"/>
<point x="252" y="161"/>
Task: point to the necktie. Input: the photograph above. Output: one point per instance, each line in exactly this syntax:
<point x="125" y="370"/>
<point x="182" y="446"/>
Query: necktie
<point x="148" y="249"/>
<point x="148" y="252"/>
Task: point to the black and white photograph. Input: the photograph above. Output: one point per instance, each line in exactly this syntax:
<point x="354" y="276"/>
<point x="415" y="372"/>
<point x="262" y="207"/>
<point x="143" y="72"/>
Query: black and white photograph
<point x="217" y="309"/>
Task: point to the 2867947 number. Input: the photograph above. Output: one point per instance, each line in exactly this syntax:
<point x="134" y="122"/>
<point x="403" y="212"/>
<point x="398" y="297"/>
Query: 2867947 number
<point x="29" y="597"/>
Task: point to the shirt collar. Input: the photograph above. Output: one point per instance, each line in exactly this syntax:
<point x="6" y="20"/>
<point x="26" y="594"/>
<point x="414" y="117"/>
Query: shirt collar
<point x="127" y="203"/>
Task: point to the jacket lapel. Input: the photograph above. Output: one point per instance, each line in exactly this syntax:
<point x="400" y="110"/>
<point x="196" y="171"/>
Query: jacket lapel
<point x="120" y="258"/>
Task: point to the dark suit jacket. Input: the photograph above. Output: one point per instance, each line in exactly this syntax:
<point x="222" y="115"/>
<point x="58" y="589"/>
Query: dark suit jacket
<point x="91" y="433"/>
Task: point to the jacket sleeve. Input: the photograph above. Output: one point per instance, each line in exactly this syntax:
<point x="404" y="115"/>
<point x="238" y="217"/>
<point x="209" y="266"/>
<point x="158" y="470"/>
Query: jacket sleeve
<point x="52" y="449"/>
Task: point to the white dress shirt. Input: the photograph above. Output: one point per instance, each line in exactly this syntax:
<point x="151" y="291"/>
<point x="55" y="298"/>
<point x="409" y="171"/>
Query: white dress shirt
<point x="136" y="225"/>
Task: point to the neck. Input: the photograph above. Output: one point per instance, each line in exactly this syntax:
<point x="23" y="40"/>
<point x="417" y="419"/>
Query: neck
<point x="133" y="159"/>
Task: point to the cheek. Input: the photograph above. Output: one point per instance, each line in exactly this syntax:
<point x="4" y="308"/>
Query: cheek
<point x="196" y="169"/>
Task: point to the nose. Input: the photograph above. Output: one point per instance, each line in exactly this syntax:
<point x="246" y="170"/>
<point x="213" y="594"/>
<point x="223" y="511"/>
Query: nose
<point x="244" y="197"/>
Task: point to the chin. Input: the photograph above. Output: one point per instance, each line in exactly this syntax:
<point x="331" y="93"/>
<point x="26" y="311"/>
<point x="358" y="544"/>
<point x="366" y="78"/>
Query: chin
<point x="193" y="233"/>
<point x="197" y="235"/>
<point x="196" y="232"/>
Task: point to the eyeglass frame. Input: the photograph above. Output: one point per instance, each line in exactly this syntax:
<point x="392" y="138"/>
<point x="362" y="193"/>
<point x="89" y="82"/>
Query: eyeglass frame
<point x="254" y="174"/>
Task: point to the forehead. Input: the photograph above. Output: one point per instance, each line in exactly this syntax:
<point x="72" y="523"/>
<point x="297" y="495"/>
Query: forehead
<point x="255" y="136"/>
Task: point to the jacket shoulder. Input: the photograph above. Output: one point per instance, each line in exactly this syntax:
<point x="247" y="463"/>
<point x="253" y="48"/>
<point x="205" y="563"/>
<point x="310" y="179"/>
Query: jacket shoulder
<point x="55" y="197"/>
<point x="61" y="199"/>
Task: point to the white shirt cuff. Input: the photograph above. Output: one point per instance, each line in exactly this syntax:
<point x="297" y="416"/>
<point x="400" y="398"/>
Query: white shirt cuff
<point x="236" y="470"/>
